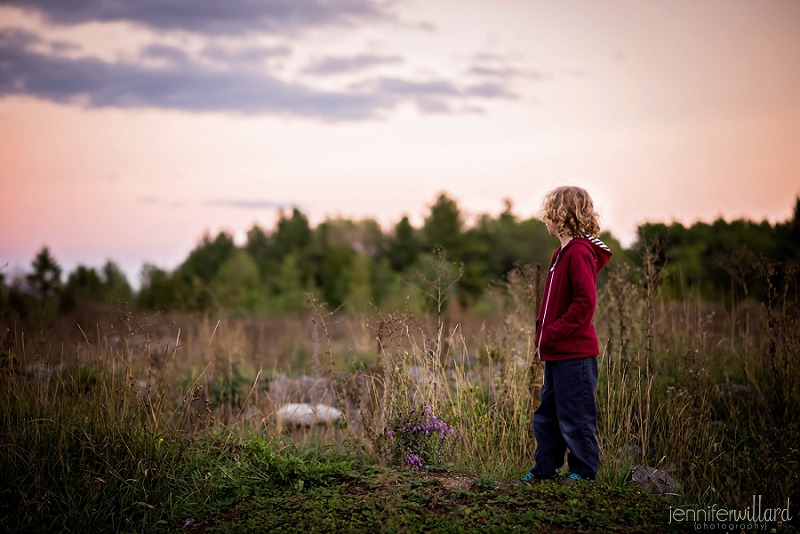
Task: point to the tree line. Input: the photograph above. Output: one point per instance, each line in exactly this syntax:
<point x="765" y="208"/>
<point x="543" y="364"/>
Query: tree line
<point x="357" y="262"/>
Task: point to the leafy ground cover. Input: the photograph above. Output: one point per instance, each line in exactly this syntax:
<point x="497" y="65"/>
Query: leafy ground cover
<point x="440" y="502"/>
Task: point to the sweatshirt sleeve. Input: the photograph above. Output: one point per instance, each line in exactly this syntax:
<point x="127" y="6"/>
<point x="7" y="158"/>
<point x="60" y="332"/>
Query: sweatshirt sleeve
<point x="584" y="296"/>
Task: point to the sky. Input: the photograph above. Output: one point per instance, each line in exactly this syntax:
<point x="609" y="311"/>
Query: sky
<point x="128" y="128"/>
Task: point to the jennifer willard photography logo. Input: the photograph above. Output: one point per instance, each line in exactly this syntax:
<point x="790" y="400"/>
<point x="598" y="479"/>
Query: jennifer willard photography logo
<point x="712" y="518"/>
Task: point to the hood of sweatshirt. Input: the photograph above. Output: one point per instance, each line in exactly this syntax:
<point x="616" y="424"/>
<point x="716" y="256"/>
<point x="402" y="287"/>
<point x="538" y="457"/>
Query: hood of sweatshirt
<point x="600" y="250"/>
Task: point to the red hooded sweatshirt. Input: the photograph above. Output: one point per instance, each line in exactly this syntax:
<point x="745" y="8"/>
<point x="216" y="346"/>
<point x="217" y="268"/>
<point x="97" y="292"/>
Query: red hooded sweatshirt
<point x="564" y="328"/>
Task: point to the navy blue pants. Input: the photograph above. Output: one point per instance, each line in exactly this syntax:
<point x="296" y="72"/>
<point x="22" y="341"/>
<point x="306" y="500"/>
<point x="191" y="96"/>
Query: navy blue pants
<point x="566" y="418"/>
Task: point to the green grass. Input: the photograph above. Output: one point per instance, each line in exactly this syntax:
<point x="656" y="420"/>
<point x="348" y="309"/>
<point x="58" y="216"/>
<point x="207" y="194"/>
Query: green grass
<point x="390" y="501"/>
<point x="80" y="475"/>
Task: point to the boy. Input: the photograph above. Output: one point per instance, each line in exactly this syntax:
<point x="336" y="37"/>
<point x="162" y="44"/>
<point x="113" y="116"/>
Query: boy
<point x="566" y="417"/>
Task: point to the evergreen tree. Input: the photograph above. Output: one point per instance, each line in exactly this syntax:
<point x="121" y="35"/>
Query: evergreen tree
<point x="443" y="227"/>
<point x="292" y="236"/>
<point x="162" y="291"/>
<point x="206" y="259"/>
<point x="46" y="276"/>
<point x="115" y="284"/>
<point x="335" y="274"/>
<point x="259" y="247"/>
<point x="404" y="246"/>
<point x="83" y="285"/>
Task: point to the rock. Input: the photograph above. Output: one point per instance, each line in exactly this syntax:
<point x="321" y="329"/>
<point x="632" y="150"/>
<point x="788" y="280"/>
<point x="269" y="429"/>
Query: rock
<point x="302" y="414"/>
<point x="655" y="481"/>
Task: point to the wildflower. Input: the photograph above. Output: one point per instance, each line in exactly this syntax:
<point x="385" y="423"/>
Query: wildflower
<point x="414" y="461"/>
<point x="390" y="433"/>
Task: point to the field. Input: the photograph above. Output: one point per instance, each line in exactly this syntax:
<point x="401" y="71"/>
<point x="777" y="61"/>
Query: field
<point x="112" y="420"/>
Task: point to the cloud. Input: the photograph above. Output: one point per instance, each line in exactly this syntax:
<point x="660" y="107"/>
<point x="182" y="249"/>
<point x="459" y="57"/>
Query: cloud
<point x="498" y="66"/>
<point x="187" y="85"/>
<point x="217" y="17"/>
<point x="506" y="72"/>
<point x="250" y="204"/>
<point x="245" y="55"/>
<point x="64" y="46"/>
<point x="339" y="64"/>
<point x="432" y="96"/>
<point x="399" y="86"/>
<point x="16" y="38"/>
<point x="490" y="90"/>
<point x="437" y="96"/>
<point x="170" y="53"/>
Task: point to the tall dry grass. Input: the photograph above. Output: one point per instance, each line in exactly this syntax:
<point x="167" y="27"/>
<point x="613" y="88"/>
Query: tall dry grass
<point x="132" y="412"/>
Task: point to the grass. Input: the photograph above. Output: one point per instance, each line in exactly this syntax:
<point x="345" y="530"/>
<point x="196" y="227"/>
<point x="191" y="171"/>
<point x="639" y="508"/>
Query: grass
<point x="391" y="501"/>
<point x="146" y="422"/>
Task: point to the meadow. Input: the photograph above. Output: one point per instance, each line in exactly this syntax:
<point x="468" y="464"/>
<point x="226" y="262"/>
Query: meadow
<point x="113" y="420"/>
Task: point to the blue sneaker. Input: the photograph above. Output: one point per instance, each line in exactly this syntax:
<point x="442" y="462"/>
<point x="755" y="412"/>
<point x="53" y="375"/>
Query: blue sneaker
<point x="571" y="478"/>
<point x="529" y="480"/>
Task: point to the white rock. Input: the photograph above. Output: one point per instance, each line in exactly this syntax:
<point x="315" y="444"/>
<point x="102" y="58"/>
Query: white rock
<point x="302" y="414"/>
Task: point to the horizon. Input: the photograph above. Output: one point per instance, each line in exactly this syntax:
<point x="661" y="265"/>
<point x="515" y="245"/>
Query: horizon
<point x="133" y="273"/>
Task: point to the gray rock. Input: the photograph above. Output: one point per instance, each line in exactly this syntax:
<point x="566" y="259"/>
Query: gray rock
<point x="655" y="481"/>
<point x="302" y="414"/>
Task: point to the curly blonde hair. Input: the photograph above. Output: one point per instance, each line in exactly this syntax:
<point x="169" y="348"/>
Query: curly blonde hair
<point x="571" y="210"/>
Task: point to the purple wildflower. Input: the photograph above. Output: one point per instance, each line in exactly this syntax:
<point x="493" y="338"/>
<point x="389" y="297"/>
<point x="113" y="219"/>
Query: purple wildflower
<point x="414" y="461"/>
